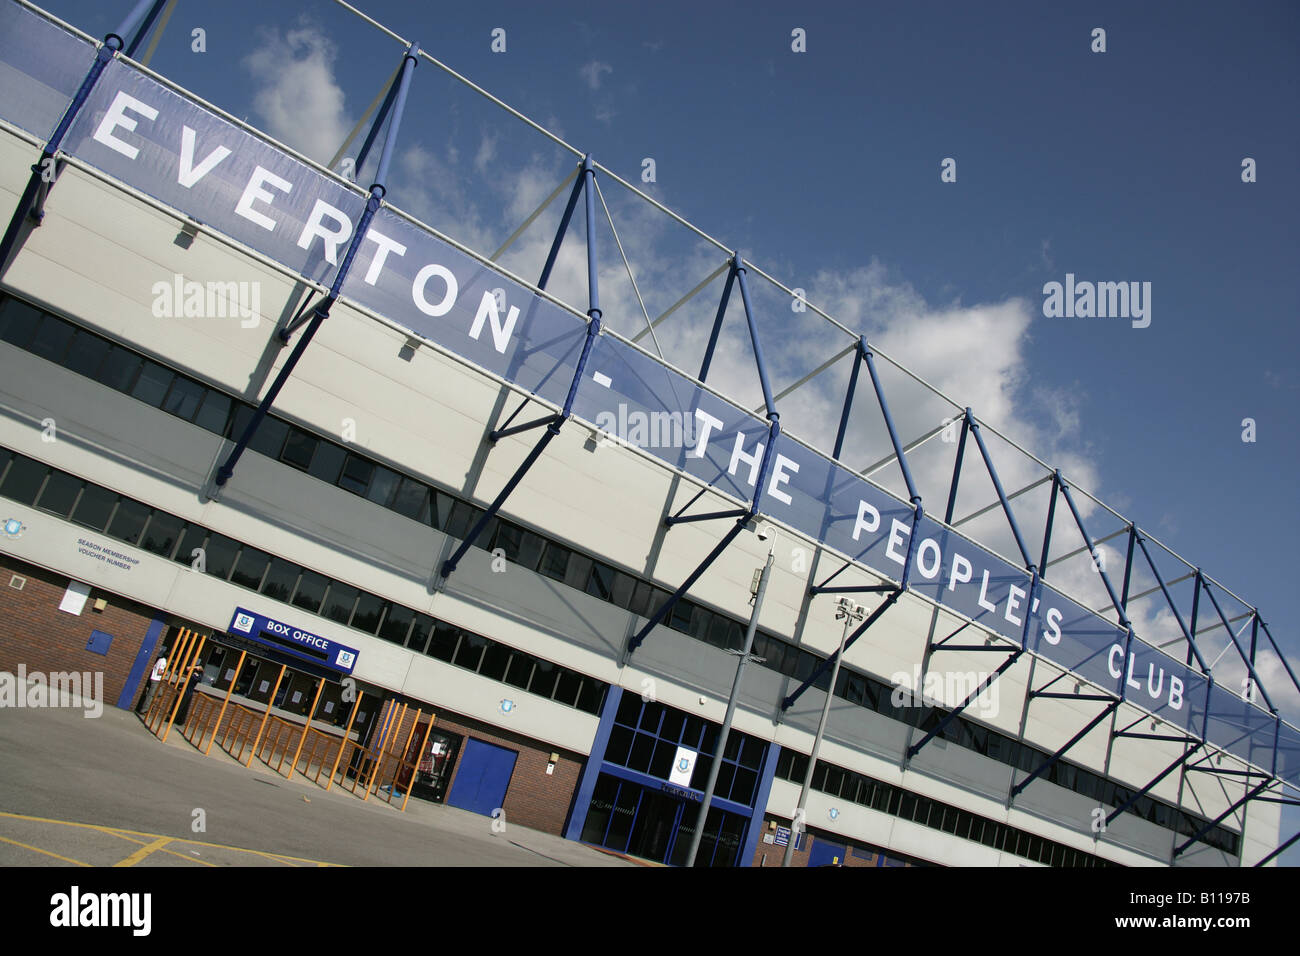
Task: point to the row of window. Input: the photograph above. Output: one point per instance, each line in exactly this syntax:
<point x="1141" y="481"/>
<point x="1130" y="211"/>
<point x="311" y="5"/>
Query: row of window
<point x="895" y="801"/>
<point x="158" y="532"/>
<point x="114" y="365"/>
<point x="646" y="735"/>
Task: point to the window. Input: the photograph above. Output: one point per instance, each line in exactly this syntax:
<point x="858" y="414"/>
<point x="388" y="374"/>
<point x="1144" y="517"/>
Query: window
<point x="281" y="578"/>
<point x="520" y="670"/>
<point x="356" y="475"/>
<point x="251" y="566"/>
<point x="86" y="354"/>
<point x="269" y="437"/>
<point x="152" y="384"/>
<point x="495" y="658"/>
<point x="338" y="607"/>
<point x="128" y="521"/>
<point x="52" y="338"/>
<point x="311" y="591"/>
<point x="370" y="608"/>
<point x="18" y="322"/>
<point x="555" y="561"/>
<point x="545" y="675"/>
<point x="192" y="538"/>
<point x="95" y="507"/>
<point x="60" y="494"/>
<point x="412" y="500"/>
<point x="220" y="556"/>
<point x="298" y="449"/>
<point x="327" y="463"/>
<point x="445" y="639"/>
<point x="470" y="652"/>
<point x="24" y="479"/>
<point x="214" y="411"/>
<point x="119" y="369"/>
<point x="383" y="483"/>
<point x="161" y="534"/>
<point x="183" y="399"/>
<point x="396" y="624"/>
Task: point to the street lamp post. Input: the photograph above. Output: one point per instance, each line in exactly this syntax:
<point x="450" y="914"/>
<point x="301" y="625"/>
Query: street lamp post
<point x="745" y="658"/>
<point x="850" y="612"/>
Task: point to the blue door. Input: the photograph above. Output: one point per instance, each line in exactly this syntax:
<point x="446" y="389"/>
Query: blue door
<point x="483" y="777"/>
<point x="825" y="853"/>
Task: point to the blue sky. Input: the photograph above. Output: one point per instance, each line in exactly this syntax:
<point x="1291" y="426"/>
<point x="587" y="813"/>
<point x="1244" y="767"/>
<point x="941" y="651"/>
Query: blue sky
<point x="824" y="166"/>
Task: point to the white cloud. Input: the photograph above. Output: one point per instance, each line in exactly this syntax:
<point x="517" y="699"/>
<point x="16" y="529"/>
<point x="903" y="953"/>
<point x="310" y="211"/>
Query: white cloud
<point x="297" y="98"/>
<point x="591" y="72"/>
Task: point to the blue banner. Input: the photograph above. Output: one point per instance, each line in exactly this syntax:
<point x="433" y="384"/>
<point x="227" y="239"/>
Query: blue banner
<point x="180" y="152"/>
<point x="293" y="640"/>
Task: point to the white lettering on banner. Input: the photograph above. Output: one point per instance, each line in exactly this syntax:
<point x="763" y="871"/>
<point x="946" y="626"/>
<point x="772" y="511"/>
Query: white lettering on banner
<point x="254" y="192"/>
<point x="116" y="118"/>
<point x="933" y="571"/>
<point x="1013" y="601"/>
<point x="333" y="237"/>
<point x="1054" y="622"/>
<point x="449" y="297"/>
<point x="707" y="424"/>
<point x="953" y="576"/>
<point x="861" y="523"/>
<point x="386" y="246"/>
<point x="1114" y="664"/>
<point x="752" y="459"/>
<point x="896" y="535"/>
<point x="779" y="477"/>
<point x="487" y="310"/>
<point x="984" y="593"/>
<point x="189" y="174"/>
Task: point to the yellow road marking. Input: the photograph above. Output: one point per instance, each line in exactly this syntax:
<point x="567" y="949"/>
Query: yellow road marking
<point x="36" y="849"/>
<point x="144" y="851"/>
<point x="119" y="831"/>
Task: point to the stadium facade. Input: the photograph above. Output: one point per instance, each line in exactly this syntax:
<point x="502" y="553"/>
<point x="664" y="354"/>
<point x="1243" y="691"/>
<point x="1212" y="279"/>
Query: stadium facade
<point x="519" y="583"/>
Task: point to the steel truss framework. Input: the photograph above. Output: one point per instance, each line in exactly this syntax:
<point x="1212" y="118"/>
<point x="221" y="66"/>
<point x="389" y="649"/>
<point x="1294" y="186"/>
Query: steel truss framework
<point x="145" y="16"/>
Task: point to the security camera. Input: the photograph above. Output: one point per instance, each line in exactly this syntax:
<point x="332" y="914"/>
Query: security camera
<point x="763" y="532"/>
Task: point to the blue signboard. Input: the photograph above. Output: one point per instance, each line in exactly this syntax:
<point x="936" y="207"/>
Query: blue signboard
<point x="162" y="142"/>
<point x="293" y="640"/>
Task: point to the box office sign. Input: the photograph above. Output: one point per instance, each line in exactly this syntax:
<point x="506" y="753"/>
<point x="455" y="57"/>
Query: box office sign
<point x="294" y="640"/>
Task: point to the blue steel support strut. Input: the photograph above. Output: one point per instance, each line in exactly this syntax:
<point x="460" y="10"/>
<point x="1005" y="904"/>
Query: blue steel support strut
<point x="754" y="341"/>
<point x="1169" y="599"/>
<point x="1005" y="666"/>
<point x="1219" y="819"/>
<point x="1051" y="514"/>
<point x="997" y="485"/>
<point x="865" y="351"/>
<point x="322" y="311"/>
<point x="1120" y="604"/>
<point x="717" y="321"/>
<point x="894" y="594"/>
<point x="1280" y="850"/>
<point x="553" y="422"/>
<point x="742" y="516"/>
<point x="1048" y="764"/>
<point x="1250" y="665"/>
<point x="1110" y="818"/>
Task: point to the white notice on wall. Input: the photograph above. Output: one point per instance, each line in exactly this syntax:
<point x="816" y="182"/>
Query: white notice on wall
<point x="683" y="765"/>
<point x="74" y="598"/>
<point x="261" y="688"/>
<point x="230" y="674"/>
<point x="329" y="706"/>
<point x="297" y="696"/>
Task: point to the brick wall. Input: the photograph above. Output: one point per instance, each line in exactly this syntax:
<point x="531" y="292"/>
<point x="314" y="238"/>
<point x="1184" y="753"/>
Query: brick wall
<point x="37" y="635"/>
<point x="534" y="798"/>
